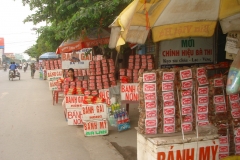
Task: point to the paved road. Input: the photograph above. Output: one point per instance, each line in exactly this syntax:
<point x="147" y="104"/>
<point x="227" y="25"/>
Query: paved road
<point x="31" y="128"/>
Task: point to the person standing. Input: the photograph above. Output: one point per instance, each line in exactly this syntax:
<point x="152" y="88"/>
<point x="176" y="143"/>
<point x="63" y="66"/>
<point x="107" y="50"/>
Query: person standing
<point x="32" y="70"/>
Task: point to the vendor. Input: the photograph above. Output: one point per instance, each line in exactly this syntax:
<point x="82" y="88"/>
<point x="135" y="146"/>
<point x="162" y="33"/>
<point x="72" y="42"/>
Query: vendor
<point x="71" y="77"/>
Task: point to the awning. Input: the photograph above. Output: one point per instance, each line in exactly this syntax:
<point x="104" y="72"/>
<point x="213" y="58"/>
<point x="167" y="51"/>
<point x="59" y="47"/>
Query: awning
<point x="49" y="55"/>
<point x="170" y="19"/>
<point x="94" y="38"/>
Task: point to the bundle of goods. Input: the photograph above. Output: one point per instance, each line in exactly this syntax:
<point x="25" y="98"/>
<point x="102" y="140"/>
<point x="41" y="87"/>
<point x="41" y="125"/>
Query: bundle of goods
<point x="72" y="88"/>
<point x="118" y="117"/>
<point x="92" y="100"/>
<point x="136" y="63"/>
<point x="52" y="64"/>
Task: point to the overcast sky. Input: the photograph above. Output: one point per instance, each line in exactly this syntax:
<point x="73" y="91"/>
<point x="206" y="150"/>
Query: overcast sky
<point x="17" y="35"/>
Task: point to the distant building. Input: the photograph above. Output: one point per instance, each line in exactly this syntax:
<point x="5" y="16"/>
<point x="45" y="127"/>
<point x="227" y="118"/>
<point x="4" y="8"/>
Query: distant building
<point x="1" y="49"/>
<point x="10" y="55"/>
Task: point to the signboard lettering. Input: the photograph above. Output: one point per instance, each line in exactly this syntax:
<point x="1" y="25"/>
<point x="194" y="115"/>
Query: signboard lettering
<point x="73" y="101"/>
<point x="104" y="93"/>
<point x="129" y="91"/>
<point x="54" y="74"/>
<point x="95" y="127"/>
<point x="74" y="116"/>
<point x="94" y="111"/>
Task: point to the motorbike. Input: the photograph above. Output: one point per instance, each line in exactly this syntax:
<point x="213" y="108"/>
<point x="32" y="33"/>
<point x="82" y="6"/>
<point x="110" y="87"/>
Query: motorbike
<point x="12" y="75"/>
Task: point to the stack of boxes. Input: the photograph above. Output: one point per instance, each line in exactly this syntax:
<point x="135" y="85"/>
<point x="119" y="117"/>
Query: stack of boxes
<point x="52" y="64"/>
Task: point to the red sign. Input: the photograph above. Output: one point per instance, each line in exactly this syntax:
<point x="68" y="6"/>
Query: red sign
<point x="168" y="96"/>
<point x="149" y="87"/>
<point x="151" y="122"/>
<point x="169" y="111"/>
<point x="168" y="76"/>
<point x="202" y="100"/>
<point x="152" y="130"/>
<point x="237" y="140"/>
<point x="186" y="110"/>
<point x="218" y="82"/>
<point x="169" y="128"/>
<point x="186" y="101"/>
<point x="187" y="127"/>
<point x="169" y="120"/>
<point x="234" y="97"/>
<point x="236" y="113"/>
<point x="187" y="84"/>
<point x="167" y="86"/>
<point x="202" y="80"/>
<point x="203" y="90"/>
<point x="169" y="103"/>
<point x="129" y="91"/>
<point x="221" y="107"/>
<point x="237" y="132"/>
<point x="185" y="74"/>
<point x="202" y="117"/>
<point x="223" y="139"/>
<point x="201" y="72"/>
<point x="149" y="77"/>
<point x="151" y="114"/>
<point x="235" y="105"/>
<point x="202" y="108"/>
<point x="150" y="104"/>
<point x="186" y="93"/>
<point x="188" y="118"/>
<point x="219" y="99"/>
<point x="150" y="96"/>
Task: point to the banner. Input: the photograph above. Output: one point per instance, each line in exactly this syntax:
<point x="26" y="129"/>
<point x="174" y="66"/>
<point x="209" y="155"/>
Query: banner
<point x="73" y="101"/>
<point x="129" y="92"/>
<point x="186" y="51"/>
<point x="94" y="111"/>
<point x="74" y="116"/>
<point x="95" y="127"/>
<point x="77" y="59"/>
<point x="53" y="85"/>
<point x="54" y="74"/>
<point x="104" y="93"/>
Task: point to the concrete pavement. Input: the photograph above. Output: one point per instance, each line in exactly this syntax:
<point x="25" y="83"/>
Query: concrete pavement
<point x="31" y="128"/>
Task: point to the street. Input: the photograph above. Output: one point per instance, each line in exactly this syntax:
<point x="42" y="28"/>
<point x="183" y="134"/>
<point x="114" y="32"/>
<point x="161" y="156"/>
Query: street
<point x="31" y="128"/>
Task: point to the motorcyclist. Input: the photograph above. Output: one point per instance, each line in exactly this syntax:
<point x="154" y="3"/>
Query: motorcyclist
<point x="5" y="66"/>
<point x="13" y="67"/>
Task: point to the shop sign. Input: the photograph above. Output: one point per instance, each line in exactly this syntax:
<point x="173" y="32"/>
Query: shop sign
<point x="94" y="111"/>
<point x="129" y="91"/>
<point x="186" y="51"/>
<point x="95" y="127"/>
<point x="74" y="116"/>
<point x="73" y="101"/>
<point x="77" y="59"/>
<point x="201" y="150"/>
<point x="53" y="85"/>
<point x="54" y="74"/>
<point x="104" y="93"/>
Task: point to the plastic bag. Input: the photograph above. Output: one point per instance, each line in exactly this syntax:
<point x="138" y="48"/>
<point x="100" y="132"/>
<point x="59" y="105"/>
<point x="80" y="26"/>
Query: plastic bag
<point x="233" y="81"/>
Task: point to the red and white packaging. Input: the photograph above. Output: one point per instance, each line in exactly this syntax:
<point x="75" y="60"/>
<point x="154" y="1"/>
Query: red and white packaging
<point x="185" y="74"/>
<point x="151" y="114"/>
<point x="167" y="96"/>
<point x="186" y="110"/>
<point x="151" y="130"/>
<point x="187" y="84"/>
<point x="150" y="96"/>
<point x="149" y="87"/>
<point x="169" y="120"/>
<point x="203" y="123"/>
<point x="218" y="99"/>
<point x="223" y="140"/>
<point x="169" y="111"/>
<point x="170" y="103"/>
<point x="150" y="122"/>
<point x="220" y="107"/>
<point x="202" y="80"/>
<point x="203" y="90"/>
<point x="223" y="155"/>
<point x="235" y="113"/>
<point x="185" y="93"/>
<point x="168" y="76"/>
<point x="237" y="148"/>
<point x="202" y="108"/>
<point x="234" y="97"/>
<point x="237" y="132"/>
<point x="167" y="86"/>
<point x="235" y="105"/>
<point x="224" y="148"/>
<point x="186" y="101"/>
<point x="237" y="140"/>
<point x="218" y="82"/>
<point x="187" y="127"/>
<point x="187" y="118"/>
<point x="202" y="100"/>
<point x="202" y="117"/>
<point x="201" y="72"/>
<point x="169" y="128"/>
<point x="149" y="77"/>
<point x="150" y="105"/>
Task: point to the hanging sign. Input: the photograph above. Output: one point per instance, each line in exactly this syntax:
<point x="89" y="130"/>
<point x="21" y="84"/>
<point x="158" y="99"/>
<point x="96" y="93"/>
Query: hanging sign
<point x="54" y="74"/>
<point x="104" y="93"/>
<point x="95" y="127"/>
<point x="73" y="101"/>
<point x="232" y="42"/>
<point x="74" y="116"/>
<point x="77" y="59"/>
<point x="186" y="51"/>
<point x="129" y="92"/>
<point x="94" y="111"/>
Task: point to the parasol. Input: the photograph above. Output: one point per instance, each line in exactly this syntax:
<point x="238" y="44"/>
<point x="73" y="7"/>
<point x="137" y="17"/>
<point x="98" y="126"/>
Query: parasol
<point x="49" y="55"/>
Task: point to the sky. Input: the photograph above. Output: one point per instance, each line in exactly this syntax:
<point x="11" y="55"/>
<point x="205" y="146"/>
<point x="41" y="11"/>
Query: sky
<point x="18" y="36"/>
